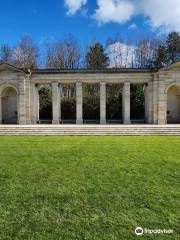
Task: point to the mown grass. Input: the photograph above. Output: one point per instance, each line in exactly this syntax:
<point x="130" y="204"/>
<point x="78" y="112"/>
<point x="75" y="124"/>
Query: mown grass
<point x="88" y="187"/>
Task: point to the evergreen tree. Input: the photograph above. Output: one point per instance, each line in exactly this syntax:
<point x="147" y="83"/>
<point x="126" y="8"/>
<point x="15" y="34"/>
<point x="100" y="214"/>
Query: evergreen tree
<point x="96" y="58"/>
<point x="160" y="56"/>
<point x="173" y="46"/>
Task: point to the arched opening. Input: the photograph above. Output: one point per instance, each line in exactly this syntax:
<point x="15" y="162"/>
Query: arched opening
<point x="173" y="104"/>
<point x="9" y="106"/>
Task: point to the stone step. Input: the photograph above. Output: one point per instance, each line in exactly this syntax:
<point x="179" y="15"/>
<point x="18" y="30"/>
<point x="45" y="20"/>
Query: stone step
<point x="89" y="134"/>
<point x="90" y="130"/>
<point x="99" y="129"/>
<point x="87" y="130"/>
<point x="93" y="133"/>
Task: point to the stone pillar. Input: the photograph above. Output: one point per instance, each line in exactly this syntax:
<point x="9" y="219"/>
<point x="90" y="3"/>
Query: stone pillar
<point x="162" y="105"/>
<point x="146" y="102"/>
<point x="102" y="102"/>
<point x="0" y="110"/>
<point x="162" y="109"/>
<point x="162" y="101"/>
<point x="155" y="89"/>
<point x="148" y="96"/>
<point x="79" y="103"/>
<point x="35" y="104"/>
<point x="56" y="103"/>
<point x="28" y="100"/>
<point x="126" y="103"/>
<point x="21" y="101"/>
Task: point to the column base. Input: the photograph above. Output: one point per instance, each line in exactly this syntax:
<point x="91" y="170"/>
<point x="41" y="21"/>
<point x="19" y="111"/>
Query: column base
<point x="127" y="122"/>
<point x="102" y="122"/>
<point x="33" y="122"/>
<point x="28" y="122"/>
<point x="162" y="122"/>
<point x="55" y="121"/>
<point x="22" y="122"/>
<point x="79" y="121"/>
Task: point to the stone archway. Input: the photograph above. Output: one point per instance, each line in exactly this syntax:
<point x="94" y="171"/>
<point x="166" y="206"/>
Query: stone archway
<point x="9" y="105"/>
<point x="173" y="104"/>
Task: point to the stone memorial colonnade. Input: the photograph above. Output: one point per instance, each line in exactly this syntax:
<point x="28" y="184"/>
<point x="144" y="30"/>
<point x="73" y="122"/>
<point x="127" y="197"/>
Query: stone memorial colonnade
<point x="25" y="85"/>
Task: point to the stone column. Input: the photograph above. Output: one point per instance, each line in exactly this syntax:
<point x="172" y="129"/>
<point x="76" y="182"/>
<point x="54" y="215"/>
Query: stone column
<point x="56" y="103"/>
<point x="21" y="101"/>
<point x="35" y="104"/>
<point x="146" y="102"/>
<point x="162" y="109"/>
<point x="155" y="89"/>
<point x="148" y="95"/>
<point x="0" y="110"/>
<point x="79" y="102"/>
<point x="102" y="102"/>
<point x="28" y="100"/>
<point x="126" y="103"/>
<point x="162" y="101"/>
<point x="162" y="105"/>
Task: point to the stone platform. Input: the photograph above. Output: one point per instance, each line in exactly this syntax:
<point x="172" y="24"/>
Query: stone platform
<point x="90" y="130"/>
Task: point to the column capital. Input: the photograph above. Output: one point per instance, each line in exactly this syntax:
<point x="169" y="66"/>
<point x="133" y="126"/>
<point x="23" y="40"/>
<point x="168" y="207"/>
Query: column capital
<point x="127" y="83"/>
<point x="79" y="83"/>
<point x="103" y="82"/>
<point x="55" y="84"/>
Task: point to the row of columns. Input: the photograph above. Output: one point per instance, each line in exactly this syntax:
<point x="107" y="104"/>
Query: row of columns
<point x="56" y="102"/>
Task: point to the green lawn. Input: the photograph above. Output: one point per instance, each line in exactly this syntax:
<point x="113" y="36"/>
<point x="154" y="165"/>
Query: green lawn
<point x="88" y="187"/>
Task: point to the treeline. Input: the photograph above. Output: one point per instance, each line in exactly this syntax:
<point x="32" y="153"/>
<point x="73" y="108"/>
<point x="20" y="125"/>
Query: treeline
<point x="68" y="54"/>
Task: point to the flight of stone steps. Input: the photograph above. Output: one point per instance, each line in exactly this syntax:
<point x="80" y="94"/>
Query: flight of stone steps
<point x="90" y="130"/>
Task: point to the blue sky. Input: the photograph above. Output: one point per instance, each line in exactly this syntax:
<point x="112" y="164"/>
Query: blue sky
<point x="86" y="20"/>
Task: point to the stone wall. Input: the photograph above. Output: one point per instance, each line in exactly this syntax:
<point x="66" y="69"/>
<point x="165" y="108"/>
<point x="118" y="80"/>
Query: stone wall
<point x="26" y="84"/>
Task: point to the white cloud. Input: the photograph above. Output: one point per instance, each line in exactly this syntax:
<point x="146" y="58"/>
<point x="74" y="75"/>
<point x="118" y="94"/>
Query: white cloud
<point x="74" y="5"/>
<point x="132" y="26"/>
<point x="118" y="11"/>
<point x="160" y="13"/>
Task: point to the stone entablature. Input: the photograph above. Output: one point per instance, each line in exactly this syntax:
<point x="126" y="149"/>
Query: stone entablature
<point x="26" y="85"/>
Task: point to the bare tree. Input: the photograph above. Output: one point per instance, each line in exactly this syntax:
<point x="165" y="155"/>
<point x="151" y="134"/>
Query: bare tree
<point x="145" y="53"/>
<point x="25" y="54"/>
<point x="63" y="54"/>
<point x="5" y="53"/>
<point x="121" y="53"/>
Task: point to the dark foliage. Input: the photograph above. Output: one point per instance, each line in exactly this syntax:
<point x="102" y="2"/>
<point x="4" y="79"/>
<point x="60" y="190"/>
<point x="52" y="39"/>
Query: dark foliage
<point x="91" y="101"/>
<point x="45" y="103"/>
<point x="68" y="108"/>
<point x="114" y="102"/>
<point x="137" y="102"/>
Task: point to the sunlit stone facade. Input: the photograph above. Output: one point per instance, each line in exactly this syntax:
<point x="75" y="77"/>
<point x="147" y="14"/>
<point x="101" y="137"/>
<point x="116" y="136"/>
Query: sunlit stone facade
<point x="19" y="92"/>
